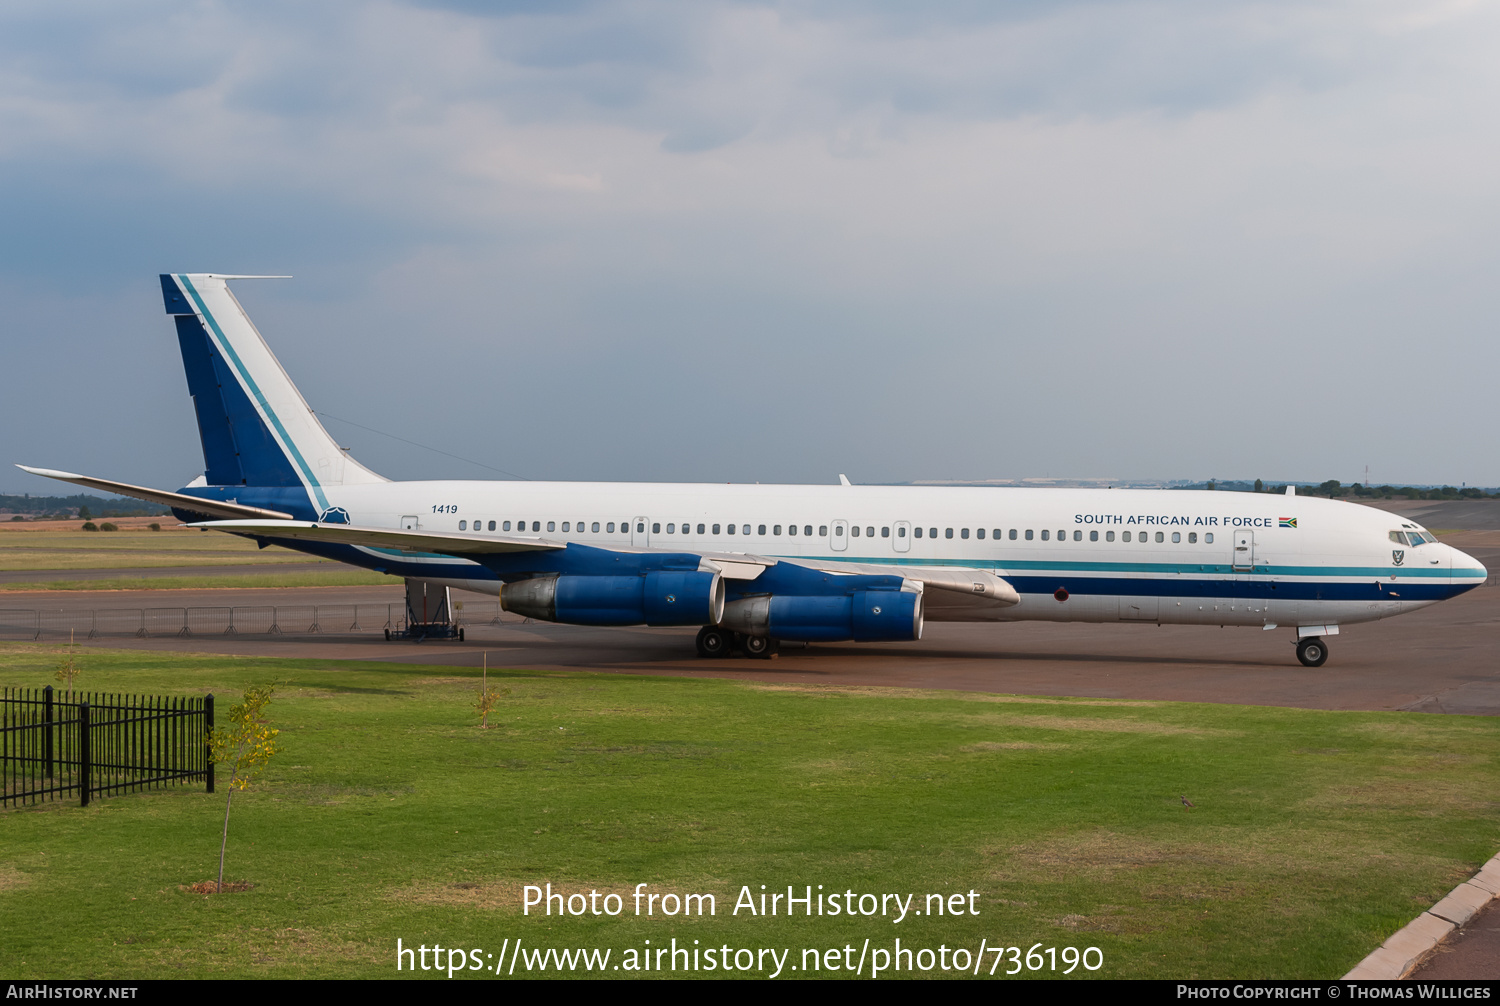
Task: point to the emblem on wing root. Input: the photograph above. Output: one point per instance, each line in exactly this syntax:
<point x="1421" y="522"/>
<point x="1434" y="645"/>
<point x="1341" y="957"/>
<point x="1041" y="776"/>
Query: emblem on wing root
<point x="334" y="515"/>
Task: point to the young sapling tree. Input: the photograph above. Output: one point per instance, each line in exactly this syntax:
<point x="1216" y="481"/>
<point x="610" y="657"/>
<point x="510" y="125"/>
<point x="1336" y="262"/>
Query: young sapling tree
<point x="67" y="668"/>
<point x="247" y="745"/>
<point x="488" y="696"/>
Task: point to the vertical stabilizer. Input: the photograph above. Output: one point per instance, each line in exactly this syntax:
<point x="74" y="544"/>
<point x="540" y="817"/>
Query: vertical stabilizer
<point x="257" y="429"/>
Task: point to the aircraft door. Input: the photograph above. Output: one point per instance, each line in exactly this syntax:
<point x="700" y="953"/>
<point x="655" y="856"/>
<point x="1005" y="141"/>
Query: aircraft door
<point x="640" y="532"/>
<point x="902" y="541"/>
<point x="839" y="540"/>
<point x="1244" y="551"/>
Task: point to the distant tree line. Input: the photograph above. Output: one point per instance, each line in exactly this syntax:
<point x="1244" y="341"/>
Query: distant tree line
<point x="81" y="505"/>
<point x="1334" y="489"/>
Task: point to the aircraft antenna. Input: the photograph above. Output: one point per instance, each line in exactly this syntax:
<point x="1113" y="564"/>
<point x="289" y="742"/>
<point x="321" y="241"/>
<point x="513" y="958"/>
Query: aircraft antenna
<point x="425" y="447"/>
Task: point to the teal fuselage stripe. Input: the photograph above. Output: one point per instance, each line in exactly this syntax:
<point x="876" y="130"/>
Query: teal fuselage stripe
<point x="265" y="405"/>
<point x="1002" y="566"/>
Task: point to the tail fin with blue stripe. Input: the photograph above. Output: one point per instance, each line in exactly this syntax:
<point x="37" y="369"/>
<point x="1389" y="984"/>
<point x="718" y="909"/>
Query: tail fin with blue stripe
<point x="257" y="429"/>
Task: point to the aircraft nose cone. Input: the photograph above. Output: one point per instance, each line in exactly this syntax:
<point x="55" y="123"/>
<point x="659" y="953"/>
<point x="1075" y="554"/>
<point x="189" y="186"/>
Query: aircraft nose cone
<point x="1467" y="569"/>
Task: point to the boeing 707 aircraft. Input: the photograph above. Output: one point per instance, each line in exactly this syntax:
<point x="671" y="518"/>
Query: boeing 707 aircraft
<point x="755" y="564"/>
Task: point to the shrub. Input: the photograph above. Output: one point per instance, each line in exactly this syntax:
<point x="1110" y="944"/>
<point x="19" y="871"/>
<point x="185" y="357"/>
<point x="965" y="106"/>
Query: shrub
<point x="107" y="526"/>
<point x="155" y="526"/>
<point x="90" y="526"/>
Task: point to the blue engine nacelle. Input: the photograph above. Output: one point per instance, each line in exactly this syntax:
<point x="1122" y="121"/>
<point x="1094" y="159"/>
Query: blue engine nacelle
<point x="660" y="597"/>
<point x="864" y="616"/>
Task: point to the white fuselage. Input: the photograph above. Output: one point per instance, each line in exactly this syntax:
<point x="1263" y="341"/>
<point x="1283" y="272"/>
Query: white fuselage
<point x="1073" y="554"/>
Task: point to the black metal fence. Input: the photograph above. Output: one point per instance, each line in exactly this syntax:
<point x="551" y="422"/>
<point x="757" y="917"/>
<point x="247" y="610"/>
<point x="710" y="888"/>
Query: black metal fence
<point x="57" y="744"/>
<point x="227" y="620"/>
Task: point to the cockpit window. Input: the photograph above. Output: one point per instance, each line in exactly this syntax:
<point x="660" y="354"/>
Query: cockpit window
<point x="1412" y="538"/>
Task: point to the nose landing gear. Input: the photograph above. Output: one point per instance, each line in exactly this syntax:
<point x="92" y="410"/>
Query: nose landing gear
<point x="1312" y="651"/>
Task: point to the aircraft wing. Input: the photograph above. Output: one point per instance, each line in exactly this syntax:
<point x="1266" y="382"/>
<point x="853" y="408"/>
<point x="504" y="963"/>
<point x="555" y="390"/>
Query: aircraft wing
<point x="182" y="501"/>
<point x="383" y="537"/>
<point x="979" y="584"/>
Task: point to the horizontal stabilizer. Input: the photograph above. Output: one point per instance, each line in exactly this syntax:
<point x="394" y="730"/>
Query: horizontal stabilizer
<point x="182" y="501"/>
<point x="380" y="537"/>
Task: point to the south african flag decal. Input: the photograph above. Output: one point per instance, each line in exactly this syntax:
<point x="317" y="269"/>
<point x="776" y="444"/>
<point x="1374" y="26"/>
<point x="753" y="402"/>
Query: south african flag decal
<point x="1288" y="522"/>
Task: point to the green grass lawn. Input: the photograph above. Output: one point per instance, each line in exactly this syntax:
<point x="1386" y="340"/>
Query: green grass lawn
<point x="337" y="575"/>
<point x="63" y="550"/>
<point x="390" y="815"/>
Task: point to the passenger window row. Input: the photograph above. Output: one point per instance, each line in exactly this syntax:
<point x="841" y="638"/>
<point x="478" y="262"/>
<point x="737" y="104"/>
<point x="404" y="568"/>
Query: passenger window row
<point x="806" y="530"/>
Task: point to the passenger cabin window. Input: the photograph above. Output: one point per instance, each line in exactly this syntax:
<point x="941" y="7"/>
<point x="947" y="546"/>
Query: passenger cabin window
<point x="1176" y="537"/>
<point x="1208" y="537"/>
<point x="948" y="532"/>
<point x="776" y="529"/>
<point x="655" y="528"/>
<point x="822" y="530"/>
<point x="536" y="525"/>
<point x="979" y="534"/>
<point x="700" y="528"/>
<point x="609" y="528"/>
<point x="964" y="533"/>
<point x="731" y="528"/>
<point x="916" y="532"/>
<point x="1192" y="537"/>
<point x="552" y="525"/>
<point x="1046" y="535"/>
<point x="885" y="532"/>
<point x="595" y="528"/>
<point x="745" y="529"/>
<point x="1109" y="536"/>
<point x="505" y="526"/>
<point x="1028" y="534"/>
<point x="463" y="525"/>
<point x="1078" y="536"/>
<point x="1160" y="537"/>
<point x="492" y="526"/>
<point x="1093" y="536"/>
<point x="1062" y="536"/>
<point x="1125" y="536"/>
<point x="1013" y="534"/>
<point x="716" y="529"/>
<point x="671" y="529"/>
<point x="932" y="532"/>
<point x="565" y="526"/>
<point x="854" y="531"/>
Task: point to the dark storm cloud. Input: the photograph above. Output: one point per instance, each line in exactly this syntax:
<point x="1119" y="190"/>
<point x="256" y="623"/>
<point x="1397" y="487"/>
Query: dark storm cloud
<point x="770" y="241"/>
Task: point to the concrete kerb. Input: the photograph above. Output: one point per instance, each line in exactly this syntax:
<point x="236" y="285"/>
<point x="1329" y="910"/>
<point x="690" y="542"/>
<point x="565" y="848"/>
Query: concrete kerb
<point x="1407" y="948"/>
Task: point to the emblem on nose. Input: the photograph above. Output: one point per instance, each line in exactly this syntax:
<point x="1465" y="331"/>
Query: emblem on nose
<point x="1398" y="556"/>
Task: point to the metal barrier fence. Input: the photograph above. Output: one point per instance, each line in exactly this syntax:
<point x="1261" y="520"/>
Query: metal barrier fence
<point x="59" y="744"/>
<point x="241" y="620"/>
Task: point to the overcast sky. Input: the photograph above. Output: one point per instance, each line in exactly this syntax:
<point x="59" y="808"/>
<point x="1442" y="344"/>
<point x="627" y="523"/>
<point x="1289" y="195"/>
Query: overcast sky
<point x="768" y="242"/>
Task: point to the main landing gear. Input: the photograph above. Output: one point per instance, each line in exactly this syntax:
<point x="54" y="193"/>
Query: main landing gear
<point x="1312" y="651"/>
<point x="716" y="642"/>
